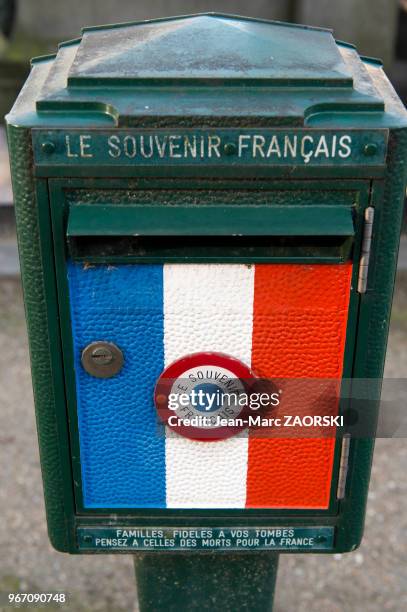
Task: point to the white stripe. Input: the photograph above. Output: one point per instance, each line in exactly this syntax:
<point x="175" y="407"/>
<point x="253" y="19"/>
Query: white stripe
<point x="207" y="307"/>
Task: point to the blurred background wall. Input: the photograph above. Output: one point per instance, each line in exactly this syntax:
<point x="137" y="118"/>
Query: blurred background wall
<point x="370" y="24"/>
<point x="86" y="12"/>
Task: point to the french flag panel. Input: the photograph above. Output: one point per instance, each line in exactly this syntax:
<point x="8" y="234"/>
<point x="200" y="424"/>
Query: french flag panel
<point x="283" y="320"/>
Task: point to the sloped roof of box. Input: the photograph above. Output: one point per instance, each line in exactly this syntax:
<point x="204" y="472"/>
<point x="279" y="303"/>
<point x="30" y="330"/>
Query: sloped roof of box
<point x="208" y="47"/>
<point x="202" y="69"/>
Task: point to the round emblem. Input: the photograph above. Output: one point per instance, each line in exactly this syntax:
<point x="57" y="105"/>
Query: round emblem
<point x="205" y="396"/>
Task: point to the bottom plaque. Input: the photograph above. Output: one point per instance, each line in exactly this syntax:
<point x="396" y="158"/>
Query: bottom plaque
<point x="133" y="539"/>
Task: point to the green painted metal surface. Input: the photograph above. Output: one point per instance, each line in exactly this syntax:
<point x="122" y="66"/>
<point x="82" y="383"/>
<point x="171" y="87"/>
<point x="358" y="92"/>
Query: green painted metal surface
<point x="226" y="582"/>
<point x="130" y="233"/>
<point x="296" y="55"/>
<point x="216" y="220"/>
<point x="208" y="48"/>
<point x="312" y="87"/>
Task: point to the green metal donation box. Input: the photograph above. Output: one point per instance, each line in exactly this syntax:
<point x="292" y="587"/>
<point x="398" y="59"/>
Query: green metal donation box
<point x="208" y="212"/>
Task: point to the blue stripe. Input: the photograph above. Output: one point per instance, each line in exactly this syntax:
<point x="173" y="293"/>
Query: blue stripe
<point x="122" y="453"/>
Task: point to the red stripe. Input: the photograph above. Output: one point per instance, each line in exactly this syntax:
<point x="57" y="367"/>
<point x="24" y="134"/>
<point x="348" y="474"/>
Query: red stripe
<point x="299" y="329"/>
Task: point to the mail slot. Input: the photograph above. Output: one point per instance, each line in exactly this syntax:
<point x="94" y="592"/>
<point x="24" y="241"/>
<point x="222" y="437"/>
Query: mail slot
<point x="208" y="239"/>
<point x="216" y="232"/>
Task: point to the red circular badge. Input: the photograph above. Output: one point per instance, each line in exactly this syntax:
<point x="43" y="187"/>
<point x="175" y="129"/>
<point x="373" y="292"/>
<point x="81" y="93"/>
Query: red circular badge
<point x="205" y="396"/>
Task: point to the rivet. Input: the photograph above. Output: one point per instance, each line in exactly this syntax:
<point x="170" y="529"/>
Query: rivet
<point x="48" y="147"/>
<point x="230" y="148"/>
<point x="370" y="149"/>
<point x="320" y="539"/>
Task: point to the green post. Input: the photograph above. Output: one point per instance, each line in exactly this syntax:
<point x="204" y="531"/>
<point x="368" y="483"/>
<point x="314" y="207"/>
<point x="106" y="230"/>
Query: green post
<point x="212" y="581"/>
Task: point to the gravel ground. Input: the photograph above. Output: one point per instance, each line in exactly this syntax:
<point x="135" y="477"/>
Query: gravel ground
<point x="374" y="578"/>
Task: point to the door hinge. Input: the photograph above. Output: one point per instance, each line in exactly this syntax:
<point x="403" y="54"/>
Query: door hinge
<point x="343" y="467"/>
<point x="366" y="249"/>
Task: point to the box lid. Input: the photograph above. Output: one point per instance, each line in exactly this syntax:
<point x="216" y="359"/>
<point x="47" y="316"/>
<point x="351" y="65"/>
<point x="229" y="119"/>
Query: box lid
<point x="208" y="48"/>
<point x="209" y="67"/>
